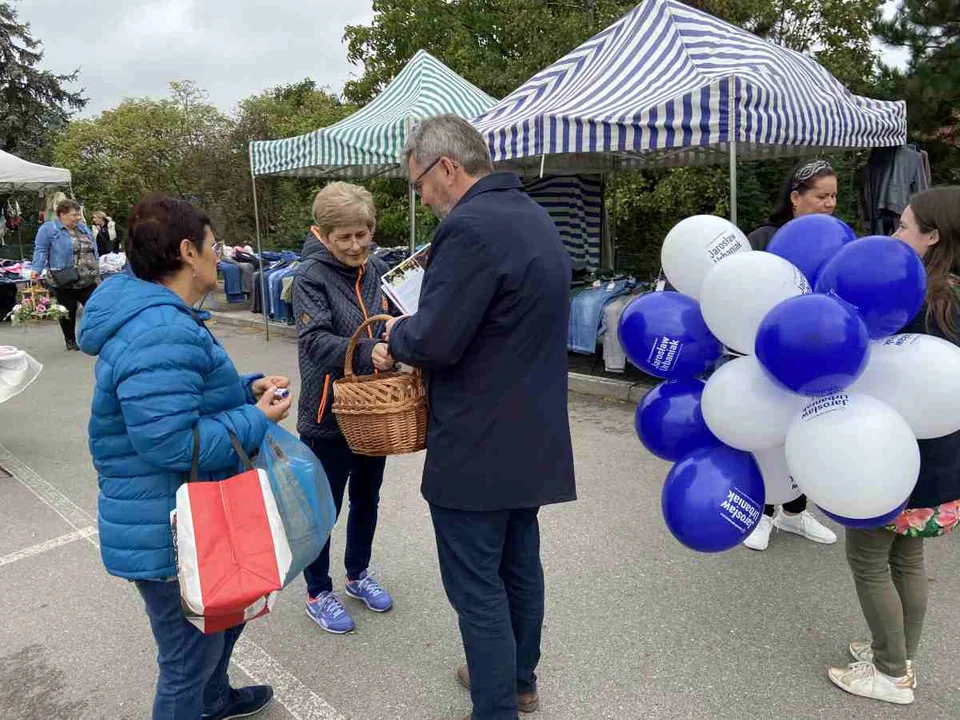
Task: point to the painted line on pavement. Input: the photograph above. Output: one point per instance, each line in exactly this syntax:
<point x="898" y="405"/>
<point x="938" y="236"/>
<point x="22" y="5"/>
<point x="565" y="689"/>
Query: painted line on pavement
<point x="297" y="698"/>
<point x="301" y="702"/>
<point x="43" y="547"/>
<point x="48" y="494"/>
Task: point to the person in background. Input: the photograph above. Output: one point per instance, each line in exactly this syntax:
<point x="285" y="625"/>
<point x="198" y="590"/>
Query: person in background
<point x="887" y="563"/>
<point x="105" y="233"/>
<point x="66" y="254"/>
<point x="811" y="188"/>
<point x="162" y="379"/>
<point x="335" y="289"/>
<point x="491" y="336"/>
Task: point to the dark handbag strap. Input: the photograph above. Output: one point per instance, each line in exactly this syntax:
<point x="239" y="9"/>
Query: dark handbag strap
<point x="195" y="461"/>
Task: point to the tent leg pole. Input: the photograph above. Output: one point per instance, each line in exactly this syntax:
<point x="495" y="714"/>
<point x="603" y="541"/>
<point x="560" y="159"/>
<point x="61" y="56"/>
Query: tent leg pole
<point x="413" y="218"/>
<point x="733" y="180"/>
<point x="263" y="286"/>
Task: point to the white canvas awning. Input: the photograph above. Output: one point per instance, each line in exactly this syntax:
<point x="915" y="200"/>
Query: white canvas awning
<point x="17" y="174"/>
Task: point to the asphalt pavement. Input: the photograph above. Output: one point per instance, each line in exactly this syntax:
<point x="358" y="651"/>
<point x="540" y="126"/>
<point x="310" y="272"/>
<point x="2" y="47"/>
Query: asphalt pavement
<point x="637" y="626"/>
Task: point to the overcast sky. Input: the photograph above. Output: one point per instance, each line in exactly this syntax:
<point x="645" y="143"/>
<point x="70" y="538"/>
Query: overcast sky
<point x="231" y="48"/>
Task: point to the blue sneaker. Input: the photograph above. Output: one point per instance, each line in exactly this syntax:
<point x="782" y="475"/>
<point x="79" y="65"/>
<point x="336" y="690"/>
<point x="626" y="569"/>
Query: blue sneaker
<point x="243" y="703"/>
<point x="370" y="591"/>
<point x="328" y="612"/>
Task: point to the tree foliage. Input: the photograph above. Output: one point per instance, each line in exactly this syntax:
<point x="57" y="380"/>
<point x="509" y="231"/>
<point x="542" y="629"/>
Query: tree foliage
<point x="33" y="103"/>
<point x="930" y="31"/>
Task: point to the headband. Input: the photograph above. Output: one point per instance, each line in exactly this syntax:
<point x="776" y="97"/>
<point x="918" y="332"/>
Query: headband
<point x="807" y="171"/>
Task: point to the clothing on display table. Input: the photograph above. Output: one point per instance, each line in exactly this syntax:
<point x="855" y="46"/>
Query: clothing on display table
<point x="586" y="311"/>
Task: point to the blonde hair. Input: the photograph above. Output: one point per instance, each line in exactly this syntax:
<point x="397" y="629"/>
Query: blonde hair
<point x="342" y="204"/>
<point x="99" y="214"/>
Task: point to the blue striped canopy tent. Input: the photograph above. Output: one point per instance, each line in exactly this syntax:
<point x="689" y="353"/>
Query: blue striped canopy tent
<point x="369" y="142"/>
<point x="669" y="85"/>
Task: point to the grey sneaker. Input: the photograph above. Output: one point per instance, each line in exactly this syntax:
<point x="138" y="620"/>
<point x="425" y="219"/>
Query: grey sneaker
<point x="862" y="651"/>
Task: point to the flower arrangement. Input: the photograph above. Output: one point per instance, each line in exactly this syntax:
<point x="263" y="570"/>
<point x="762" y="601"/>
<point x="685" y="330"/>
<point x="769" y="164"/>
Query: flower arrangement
<point x="36" y="307"/>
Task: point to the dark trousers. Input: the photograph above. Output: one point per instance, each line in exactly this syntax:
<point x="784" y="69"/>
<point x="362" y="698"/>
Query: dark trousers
<point x="70" y="298"/>
<point x="794" y="507"/>
<point x="365" y="476"/>
<point x="193" y="666"/>
<point x="892" y="587"/>
<point x="490" y="565"/>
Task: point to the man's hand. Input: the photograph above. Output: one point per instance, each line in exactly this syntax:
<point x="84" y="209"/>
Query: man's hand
<point x="382" y="360"/>
<point x="390" y="323"/>
<point x="259" y="387"/>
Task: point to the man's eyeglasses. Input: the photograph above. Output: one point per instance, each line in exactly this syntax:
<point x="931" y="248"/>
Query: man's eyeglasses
<point x="418" y="183"/>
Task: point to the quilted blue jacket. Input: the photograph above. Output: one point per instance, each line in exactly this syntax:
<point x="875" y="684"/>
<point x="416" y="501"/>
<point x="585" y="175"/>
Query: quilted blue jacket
<point x="159" y="374"/>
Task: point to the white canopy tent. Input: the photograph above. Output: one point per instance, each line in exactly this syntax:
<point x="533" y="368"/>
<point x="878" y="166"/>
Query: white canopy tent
<point x="20" y="175"/>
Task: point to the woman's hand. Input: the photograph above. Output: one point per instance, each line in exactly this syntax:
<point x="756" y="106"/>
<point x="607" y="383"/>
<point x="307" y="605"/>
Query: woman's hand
<point x="259" y="387"/>
<point x="275" y="410"/>
<point x="382" y="359"/>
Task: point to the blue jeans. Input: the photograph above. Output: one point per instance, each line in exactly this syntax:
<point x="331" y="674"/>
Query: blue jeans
<point x="365" y="476"/>
<point x="193" y="666"/>
<point x="491" y="571"/>
<point x="586" y="313"/>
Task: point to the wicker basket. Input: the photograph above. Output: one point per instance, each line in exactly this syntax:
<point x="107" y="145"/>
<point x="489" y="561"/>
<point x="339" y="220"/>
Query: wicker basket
<point x="382" y="414"/>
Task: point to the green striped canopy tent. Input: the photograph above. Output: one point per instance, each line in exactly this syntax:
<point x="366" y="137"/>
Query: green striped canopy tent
<point x="369" y="142"/>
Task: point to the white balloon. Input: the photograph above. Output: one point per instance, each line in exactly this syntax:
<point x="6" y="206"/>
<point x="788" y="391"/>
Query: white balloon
<point x="694" y="246"/>
<point x="746" y="410"/>
<point x="853" y="455"/>
<point x="738" y="292"/>
<point x="919" y="377"/>
<point x="777" y="481"/>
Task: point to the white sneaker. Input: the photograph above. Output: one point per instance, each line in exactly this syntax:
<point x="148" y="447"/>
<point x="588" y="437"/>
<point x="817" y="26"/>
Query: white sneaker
<point x="760" y="537"/>
<point x="862" y="651"/>
<point x="805" y="525"/>
<point x="863" y="679"/>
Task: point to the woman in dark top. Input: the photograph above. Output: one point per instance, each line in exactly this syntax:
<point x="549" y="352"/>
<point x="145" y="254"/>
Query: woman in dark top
<point x="810" y="189"/>
<point x="887" y="563"/>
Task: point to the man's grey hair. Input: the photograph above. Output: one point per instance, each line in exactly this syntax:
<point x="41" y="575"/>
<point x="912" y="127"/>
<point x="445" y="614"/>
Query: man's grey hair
<point x="449" y="136"/>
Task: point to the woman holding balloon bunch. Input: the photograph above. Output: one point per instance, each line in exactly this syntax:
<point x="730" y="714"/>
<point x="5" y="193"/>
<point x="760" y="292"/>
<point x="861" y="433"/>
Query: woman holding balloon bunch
<point x="887" y="562"/>
<point x="810" y="189"/>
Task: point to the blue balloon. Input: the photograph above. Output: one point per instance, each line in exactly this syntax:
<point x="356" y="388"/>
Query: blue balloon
<point x="867" y="523"/>
<point x="809" y="241"/>
<point x="713" y="498"/>
<point x="663" y="334"/>
<point x="813" y="344"/>
<point x="880" y="276"/>
<point x="669" y="420"/>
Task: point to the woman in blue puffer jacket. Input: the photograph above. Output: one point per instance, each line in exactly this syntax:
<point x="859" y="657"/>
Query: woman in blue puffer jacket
<point x="160" y="376"/>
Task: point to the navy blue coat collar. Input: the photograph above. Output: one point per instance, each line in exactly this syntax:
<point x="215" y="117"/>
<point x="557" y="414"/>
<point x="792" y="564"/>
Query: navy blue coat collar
<point x="491" y="182"/>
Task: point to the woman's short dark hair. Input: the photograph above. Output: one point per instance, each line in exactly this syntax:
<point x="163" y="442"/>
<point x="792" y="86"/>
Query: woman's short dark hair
<point x="157" y="226"/>
<point x="801" y="179"/>
<point x="66" y="206"/>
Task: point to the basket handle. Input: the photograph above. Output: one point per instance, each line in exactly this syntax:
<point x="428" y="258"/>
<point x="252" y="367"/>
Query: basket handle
<point x="352" y="345"/>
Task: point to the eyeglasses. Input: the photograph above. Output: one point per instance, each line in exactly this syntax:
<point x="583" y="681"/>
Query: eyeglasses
<point x="418" y="183"/>
<point x="347" y="243"/>
<point x="218" y="249"/>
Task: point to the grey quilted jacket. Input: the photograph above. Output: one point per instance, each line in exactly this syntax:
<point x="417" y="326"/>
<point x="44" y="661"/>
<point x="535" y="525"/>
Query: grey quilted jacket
<point x="330" y="300"/>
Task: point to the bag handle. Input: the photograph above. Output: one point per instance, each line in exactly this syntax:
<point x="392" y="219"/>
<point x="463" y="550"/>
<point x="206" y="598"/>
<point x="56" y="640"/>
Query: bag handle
<point x="352" y="345"/>
<point x="195" y="460"/>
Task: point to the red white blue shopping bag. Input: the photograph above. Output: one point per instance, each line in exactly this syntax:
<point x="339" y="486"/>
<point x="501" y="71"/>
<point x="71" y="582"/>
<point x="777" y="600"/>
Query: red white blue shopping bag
<point x="232" y="551"/>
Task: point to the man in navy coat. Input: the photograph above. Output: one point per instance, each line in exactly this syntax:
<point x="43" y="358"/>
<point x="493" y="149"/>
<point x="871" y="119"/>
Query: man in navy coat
<point x="490" y="334"/>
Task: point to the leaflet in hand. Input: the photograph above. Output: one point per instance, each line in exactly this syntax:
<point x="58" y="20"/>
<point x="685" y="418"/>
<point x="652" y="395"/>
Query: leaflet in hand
<point x="402" y="283"/>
